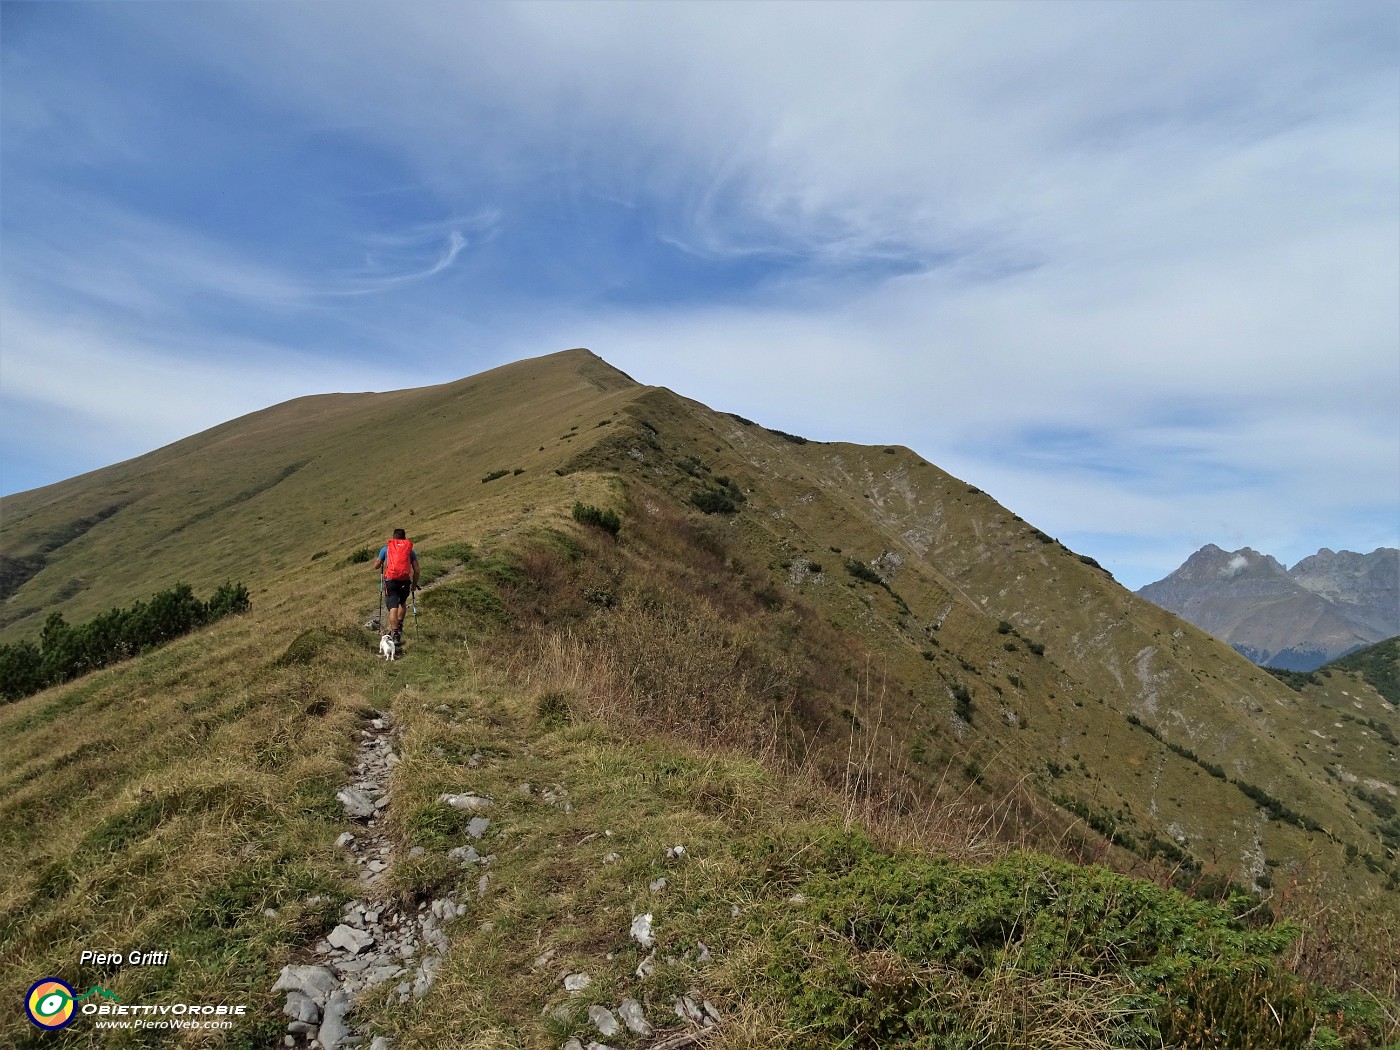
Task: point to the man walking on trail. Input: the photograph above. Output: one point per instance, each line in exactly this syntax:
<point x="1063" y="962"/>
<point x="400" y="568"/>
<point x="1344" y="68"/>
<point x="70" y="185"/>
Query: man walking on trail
<point x="398" y="561"/>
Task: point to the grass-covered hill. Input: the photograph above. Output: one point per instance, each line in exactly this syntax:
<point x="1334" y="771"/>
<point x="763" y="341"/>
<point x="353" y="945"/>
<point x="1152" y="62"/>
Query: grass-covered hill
<point x="855" y="688"/>
<point x="1378" y="665"/>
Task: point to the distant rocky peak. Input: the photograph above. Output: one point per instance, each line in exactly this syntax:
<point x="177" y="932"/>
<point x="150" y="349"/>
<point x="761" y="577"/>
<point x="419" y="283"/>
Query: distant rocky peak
<point x="1369" y="584"/>
<point x="1213" y="563"/>
<point x="1328" y="604"/>
<point x="1349" y="563"/>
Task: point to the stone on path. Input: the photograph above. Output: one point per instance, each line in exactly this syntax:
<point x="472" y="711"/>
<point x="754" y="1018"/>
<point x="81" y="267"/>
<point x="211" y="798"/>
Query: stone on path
<point x="633" y="1017"/>
<point x="577" y="982"/>
<point x="465" y="855"/>
<point x="641" y="930"/>
<point x="468" y="802"/>
<point x="357" y="804"/>
<point x="352" y="940"/>
<point x="316" y="982"/>
<point x="301" y="1007"/>
<point x="334" y="1032"/>
<point x="604" y="1020"/>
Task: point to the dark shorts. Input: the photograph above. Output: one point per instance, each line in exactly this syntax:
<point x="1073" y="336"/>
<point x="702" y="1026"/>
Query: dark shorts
<point x="396" y="592"/>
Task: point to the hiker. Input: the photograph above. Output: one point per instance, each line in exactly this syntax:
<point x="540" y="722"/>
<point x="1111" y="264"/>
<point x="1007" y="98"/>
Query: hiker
<point x="398" y="562"/>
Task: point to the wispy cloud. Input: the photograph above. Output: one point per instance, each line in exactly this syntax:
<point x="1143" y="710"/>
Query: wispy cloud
<point x="123" y="259"/>
<point x="1132" y="267"/>
<point x="81" y="387"/>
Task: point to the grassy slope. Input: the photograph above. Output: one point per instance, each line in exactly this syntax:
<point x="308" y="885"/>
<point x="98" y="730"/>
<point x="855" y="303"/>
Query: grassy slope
<point x="1378" y="664"/>
<point x="963" y="567"/>
<point x="1352" y="734"/>
<point x="169" y="803"/>
<point x="137" y="778"/>
<point x="255" y="499"/>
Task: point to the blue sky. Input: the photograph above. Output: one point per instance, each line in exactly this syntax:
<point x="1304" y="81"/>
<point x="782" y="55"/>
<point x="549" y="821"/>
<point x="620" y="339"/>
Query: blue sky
<point x="1132" y="268"/>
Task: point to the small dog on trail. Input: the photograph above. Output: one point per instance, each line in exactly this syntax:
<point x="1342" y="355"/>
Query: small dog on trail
<point x="388" y="648"/>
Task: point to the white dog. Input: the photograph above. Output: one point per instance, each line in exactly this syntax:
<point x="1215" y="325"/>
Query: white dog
<point x="388" y="648"/>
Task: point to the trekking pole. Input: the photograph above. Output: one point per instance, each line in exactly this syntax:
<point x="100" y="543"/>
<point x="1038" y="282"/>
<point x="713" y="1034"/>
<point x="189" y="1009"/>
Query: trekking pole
<point x="413" y="598"/>
<point x="379" y="619"/>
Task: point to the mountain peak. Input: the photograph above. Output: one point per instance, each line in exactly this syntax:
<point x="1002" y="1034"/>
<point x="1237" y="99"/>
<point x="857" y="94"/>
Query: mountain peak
<point x="1325" y="606"/>
<point x="1212" y="562"/>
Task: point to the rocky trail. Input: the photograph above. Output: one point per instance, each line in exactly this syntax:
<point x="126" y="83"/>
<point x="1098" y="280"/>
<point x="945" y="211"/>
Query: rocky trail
<point x="381" y="952"/>
<point x="376" y="946"/>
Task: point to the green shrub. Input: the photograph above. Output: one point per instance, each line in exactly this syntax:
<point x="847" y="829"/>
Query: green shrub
<point x="794" y="438"/>
<point x="1295" y="680"/>
<point x="1095" y="565"/>
<point x="478" y="602"/>
<point x="907" y="951"/>
<point x="66" y="651"/>
<point x="607" y="520"/>
<point x="307" y="646"/>
<point x="864" y="572"/>
<point x="19" y="670"/>
<point x="228" y="599"/>
<point x="962" y="702"/>
<point x="494" y="475"/>
<point x="553" y="709"/>
<point x="723" y="497"/>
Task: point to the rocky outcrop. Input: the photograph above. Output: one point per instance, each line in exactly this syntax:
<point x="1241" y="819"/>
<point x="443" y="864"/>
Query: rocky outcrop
<point x="1297" y="619"/>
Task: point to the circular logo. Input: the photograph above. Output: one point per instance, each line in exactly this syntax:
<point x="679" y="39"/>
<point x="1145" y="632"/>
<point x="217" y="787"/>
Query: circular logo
<point x="50" y="1003"/>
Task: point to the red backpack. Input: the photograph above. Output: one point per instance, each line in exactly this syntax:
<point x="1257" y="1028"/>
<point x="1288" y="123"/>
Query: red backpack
<point x="398" y="562"/>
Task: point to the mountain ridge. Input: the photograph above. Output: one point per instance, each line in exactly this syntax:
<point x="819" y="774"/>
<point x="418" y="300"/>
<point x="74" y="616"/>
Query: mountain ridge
<point x="1328" y="604"/>
<point x="847" y="613"/>
<point x="264" y="496"/>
